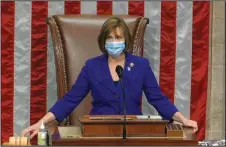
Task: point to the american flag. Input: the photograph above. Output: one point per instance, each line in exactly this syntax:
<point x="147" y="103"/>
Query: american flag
<point x="176" y="42"/>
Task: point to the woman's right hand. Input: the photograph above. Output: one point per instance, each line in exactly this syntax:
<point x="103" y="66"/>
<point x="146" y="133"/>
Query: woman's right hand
<point x="33" y="128"/>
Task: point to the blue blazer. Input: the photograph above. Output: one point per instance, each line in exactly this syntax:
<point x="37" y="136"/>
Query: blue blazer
<point x="107" y="97"/>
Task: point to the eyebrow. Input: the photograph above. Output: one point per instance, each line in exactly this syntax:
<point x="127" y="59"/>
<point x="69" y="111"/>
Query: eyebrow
<point x="117" y="35"/>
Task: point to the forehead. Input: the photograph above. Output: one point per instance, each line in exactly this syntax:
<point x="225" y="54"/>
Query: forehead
<point x="117" y="31"/>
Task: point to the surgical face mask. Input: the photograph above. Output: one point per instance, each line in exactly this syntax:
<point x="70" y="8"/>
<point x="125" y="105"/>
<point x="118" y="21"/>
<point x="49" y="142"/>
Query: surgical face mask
<point x="115" y="48"/>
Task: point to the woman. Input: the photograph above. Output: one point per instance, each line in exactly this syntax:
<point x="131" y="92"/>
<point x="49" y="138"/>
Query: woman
<point x="98" y="75"/>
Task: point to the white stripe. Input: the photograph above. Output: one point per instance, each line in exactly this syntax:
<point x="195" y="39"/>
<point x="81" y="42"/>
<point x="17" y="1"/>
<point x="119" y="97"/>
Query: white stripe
<point x="120" y="7"/>
<point x="152" y="35"/>
<point x="22" y="66"/>
<point x="54" y="7"/>
<point x="183" y="57"/>
<point x="152" y="44"/>
<point x="88" y="7"/>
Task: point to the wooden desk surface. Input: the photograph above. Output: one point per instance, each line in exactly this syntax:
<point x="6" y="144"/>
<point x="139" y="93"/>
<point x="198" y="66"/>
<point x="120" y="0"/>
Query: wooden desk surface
<point x="116" y="141"/>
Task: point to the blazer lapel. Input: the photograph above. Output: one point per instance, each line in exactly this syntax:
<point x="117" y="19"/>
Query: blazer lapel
<point x="130" y="70"/>
<point x="103" y="76"/>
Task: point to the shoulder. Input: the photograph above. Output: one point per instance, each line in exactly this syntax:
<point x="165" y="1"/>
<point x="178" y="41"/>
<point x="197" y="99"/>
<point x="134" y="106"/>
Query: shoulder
<point x="139" y="60"/>
<point x="95" y="60"/>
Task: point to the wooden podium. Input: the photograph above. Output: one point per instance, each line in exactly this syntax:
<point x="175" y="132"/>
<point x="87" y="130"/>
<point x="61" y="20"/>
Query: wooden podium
<point x="107" y="131"/>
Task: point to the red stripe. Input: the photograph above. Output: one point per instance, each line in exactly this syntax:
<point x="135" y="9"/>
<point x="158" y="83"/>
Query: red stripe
<point x="200" y="47"/>
<point x="104" y="7"/>
<point x="7" y="69"/>
<point x="72" y="7"/>
<point x="136" y="8"/>
<point x="38" y="61"/>
<point x="168" y="48"/>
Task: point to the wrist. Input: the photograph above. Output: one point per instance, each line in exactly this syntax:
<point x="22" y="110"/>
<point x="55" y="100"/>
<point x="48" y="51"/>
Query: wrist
<point x="40" y="122"/>
<point x="184" y="120"/>
<point x="180" y="118"/>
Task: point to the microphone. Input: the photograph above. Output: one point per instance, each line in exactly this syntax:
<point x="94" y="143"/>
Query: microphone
<point x="119" y="71"/>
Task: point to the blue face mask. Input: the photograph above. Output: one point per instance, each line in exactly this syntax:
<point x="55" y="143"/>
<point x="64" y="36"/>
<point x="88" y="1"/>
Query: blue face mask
<point x="115" y="48"/>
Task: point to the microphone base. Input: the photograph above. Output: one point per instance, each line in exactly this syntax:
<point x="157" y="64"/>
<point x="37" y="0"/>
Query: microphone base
<point x="124" y="138"/>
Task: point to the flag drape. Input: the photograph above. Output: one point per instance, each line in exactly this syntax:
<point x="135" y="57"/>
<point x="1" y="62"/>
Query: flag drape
<point x="176" y="43"/>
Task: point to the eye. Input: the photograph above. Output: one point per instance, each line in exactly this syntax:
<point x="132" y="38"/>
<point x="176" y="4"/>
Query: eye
<point x="118" y="37"/>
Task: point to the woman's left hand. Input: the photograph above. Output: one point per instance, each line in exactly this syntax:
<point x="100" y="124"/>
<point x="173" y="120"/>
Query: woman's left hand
<point x="191" y="123"/>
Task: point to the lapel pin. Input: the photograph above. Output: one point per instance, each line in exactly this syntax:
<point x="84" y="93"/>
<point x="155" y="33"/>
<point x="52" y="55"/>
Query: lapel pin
<point x="128" y="68"/>
<point x="131" y="64"/>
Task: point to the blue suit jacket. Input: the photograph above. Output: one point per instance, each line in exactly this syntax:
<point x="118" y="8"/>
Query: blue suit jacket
<point x="107" y="98"/>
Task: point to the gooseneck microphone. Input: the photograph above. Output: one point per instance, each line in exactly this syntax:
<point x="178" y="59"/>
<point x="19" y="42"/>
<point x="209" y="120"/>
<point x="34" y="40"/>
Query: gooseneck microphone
<point x="119" y="71"/>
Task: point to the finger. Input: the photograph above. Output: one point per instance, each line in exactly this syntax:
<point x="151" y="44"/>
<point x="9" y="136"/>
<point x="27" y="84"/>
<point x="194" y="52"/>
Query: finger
<point x="195" y="125"/>
<point x="25" y="131"/>
<point x="195" y="130"/>
<point x="34" y="133"/>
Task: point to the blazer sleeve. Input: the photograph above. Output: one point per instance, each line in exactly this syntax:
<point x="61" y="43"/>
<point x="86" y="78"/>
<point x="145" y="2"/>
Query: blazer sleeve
<point x="63" y="107"/>
<point x="154" y="95"/>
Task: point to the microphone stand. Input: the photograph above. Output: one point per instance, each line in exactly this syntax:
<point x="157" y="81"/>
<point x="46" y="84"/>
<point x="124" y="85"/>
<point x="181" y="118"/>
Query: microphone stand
<point x="124" y="108"/>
